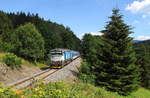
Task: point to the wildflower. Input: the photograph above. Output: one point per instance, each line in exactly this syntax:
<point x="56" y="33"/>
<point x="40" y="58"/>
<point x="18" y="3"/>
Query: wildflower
<point x="18" y="92"/>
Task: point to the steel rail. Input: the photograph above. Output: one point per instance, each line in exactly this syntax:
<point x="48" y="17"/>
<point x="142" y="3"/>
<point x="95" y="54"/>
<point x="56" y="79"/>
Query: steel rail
<point x="13" y="85"/>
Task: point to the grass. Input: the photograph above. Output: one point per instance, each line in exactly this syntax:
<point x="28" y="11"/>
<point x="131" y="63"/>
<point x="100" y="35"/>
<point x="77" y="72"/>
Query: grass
<point x="142" y="93"/>
<point x="69" y="90"/>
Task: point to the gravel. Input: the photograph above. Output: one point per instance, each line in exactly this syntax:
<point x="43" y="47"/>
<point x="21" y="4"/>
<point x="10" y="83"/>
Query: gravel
<point x="69" y="72"/>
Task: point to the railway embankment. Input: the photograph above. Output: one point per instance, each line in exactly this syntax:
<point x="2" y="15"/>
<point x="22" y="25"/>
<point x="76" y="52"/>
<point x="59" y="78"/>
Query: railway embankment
<point x="9" y="75"/>
<point x="20" y="79"/>
<point x="69" y="72"/>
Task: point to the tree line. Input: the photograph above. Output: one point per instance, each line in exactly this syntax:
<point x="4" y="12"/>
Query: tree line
<point x="113" y="61"/>
<point x="31" y="37"/>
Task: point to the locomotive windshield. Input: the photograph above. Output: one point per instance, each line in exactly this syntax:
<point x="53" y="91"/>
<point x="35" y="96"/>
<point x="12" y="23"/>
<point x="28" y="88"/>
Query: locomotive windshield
<point x="56" y="53"/>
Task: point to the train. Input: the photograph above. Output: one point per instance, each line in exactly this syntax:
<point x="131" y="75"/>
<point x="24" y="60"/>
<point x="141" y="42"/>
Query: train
<point x="60" y="57"/>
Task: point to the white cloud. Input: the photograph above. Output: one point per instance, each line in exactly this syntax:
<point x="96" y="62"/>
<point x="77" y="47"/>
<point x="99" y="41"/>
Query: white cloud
<point x="95" y="33"/>
<point x="142" y="37"/>
<point x="142" y="7"/>
<point x="92" y="33"/>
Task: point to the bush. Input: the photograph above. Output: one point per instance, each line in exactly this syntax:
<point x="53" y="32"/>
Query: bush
<point x="12" y="60"/>
<point x="86" y="75"/>
<point x="85" y="67"/>
<point x="90" y="78"/>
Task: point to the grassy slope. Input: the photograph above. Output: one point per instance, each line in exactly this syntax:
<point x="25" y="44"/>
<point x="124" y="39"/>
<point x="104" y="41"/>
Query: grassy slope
<point x="68" y="90"/>
<point x="77" y="90"/>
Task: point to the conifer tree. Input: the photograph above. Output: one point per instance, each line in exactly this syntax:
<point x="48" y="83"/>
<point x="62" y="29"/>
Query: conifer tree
<point x="116" y="69"/>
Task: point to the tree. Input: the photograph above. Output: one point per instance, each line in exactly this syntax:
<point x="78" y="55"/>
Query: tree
<point x="116" y="69"/>
<point x="5" y="32"/>
<point x="5" y="23"/>
<point x="143" y="54"/>
<point x="28" y="42"/>
<point x="55" y="35"/>
<point x="90" y="48"/>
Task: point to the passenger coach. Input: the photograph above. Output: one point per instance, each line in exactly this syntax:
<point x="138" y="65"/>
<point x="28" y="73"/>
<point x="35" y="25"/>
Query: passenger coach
<point x="59" y="57"/>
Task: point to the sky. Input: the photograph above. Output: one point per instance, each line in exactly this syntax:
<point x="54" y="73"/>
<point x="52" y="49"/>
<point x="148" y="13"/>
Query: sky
<point x="87" y="16"/>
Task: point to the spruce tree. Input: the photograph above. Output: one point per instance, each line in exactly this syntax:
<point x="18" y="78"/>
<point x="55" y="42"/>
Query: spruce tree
<point x="116" y="69"/>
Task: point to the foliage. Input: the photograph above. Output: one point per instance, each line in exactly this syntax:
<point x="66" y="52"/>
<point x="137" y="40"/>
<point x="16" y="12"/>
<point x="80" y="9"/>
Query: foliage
<point x="12" y="60"/>
<point x="55" y="35"/>
<point x="143" y="54"/>
<point x="111" y="57"/>
<point x="85" y="67"/>
<point x="5" y="31"/>
<point x="7" y="93"/>
<point x="85" y="73"/>
<point x="67" y="90"/>
<point x="91" y="46"/>
<point x="5" y="23"/>
<point x="87" y="78"/>
<point x="5" y="46"/>
<point x="29" y="43"/>
<point x="62" y="90"/>
<point x="117" y="70"/>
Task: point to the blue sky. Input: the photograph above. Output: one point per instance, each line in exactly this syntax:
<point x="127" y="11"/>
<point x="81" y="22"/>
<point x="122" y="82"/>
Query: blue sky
<point x="87" y="16"/>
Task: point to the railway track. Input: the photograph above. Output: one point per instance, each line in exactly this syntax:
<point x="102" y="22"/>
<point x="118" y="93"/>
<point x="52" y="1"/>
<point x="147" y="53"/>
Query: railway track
<point x="27" y="82"/>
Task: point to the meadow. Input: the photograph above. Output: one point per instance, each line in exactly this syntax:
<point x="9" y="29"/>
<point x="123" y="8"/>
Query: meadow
<point x="65" y="89"/>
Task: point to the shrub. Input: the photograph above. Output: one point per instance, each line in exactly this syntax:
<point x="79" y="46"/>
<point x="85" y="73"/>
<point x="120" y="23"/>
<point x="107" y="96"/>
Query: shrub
<point x="85" y="67"/>
<point x="12" y="60"/>
<point x="87" y="78"/>
<point x="86" y="75"/>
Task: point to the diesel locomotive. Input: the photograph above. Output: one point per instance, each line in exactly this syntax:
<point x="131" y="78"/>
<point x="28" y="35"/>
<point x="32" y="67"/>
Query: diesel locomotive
<point x="60" y="57"/>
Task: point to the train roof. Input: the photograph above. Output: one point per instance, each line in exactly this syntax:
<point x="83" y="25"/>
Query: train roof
<point x="61" y="49"/>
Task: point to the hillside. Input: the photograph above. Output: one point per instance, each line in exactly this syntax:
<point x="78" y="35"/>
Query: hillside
<point x="32" y="37"/>
<point x="9" y="75"/>
<point x="55" y="35"/>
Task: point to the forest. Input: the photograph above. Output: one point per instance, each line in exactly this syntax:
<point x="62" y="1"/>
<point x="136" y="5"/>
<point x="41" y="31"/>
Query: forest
<point x="31" y="37"/>
<point x="114" y="60"/>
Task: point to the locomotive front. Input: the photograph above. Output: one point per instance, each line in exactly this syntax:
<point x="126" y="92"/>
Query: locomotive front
<point x="57" y="58"/>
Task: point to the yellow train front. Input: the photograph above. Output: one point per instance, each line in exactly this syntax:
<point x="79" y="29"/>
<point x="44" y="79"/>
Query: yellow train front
<point x="59" y="57"/>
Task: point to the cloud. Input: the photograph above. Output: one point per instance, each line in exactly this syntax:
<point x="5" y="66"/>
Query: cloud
<point x="92" y="33"/>
<point x="142" y="7"/>
<point x="142" y="37"/>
